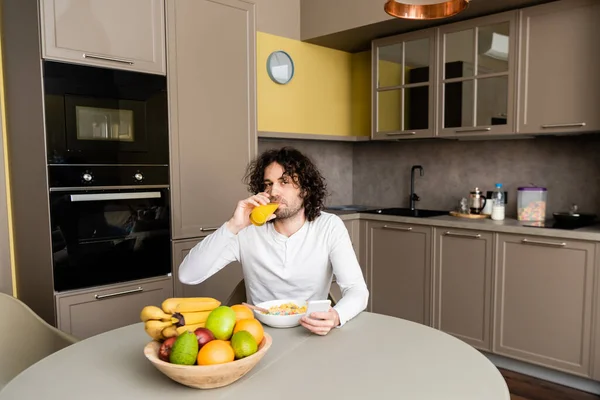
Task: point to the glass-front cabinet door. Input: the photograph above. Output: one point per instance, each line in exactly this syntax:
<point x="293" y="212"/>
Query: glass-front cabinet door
<point x="477" y="65"/>
<point x="403" y="86"/>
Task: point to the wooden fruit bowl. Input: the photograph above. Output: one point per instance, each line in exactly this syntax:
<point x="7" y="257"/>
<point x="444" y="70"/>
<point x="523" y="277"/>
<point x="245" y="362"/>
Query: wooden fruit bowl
<point x="207" y="376"/>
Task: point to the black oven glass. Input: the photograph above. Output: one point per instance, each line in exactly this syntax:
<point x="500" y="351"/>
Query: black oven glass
<point x="102" y="237"/>
<point x="104" y="116"/>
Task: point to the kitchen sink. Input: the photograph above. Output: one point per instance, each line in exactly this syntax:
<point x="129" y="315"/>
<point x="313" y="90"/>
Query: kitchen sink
<point x="407" y="212"/>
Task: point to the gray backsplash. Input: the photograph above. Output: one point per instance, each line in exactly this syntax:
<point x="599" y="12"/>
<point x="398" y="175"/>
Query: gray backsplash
<point x="569" y="167"/>
<point x="378" y="173"/>
<point x="334" y="160"/>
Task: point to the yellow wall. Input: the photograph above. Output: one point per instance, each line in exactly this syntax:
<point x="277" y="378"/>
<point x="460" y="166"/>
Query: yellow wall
<point x="322" y="96"/>
<point x="6" y="168"/>
<point x="361" y="94"/>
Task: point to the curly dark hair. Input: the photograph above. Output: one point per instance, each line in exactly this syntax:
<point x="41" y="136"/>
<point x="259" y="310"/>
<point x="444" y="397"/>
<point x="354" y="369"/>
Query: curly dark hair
<point x="297" y="166"/>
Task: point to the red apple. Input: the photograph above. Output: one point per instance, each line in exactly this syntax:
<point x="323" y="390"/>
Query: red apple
<point x="165" y="349"/>
<point x="204" y="336"/>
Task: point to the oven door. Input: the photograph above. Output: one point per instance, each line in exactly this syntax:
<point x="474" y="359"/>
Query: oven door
<point x="102" y="237"/>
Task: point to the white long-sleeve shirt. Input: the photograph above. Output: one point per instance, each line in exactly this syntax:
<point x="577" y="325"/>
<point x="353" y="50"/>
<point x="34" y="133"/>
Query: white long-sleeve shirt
<point x="278" y="267"/>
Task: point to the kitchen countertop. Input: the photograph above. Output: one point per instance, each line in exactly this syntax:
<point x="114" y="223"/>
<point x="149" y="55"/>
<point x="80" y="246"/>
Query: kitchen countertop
<point x="372" y="355"/>
<point x="508" y="225"/>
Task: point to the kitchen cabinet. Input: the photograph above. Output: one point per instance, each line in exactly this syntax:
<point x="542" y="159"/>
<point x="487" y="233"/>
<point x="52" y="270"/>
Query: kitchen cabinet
<point x="403" y="86"/>
<point x="356" y="230"/>
<point x="212" y="110"/>
<point x="321" y="19"/>
<point x="219" y="286"/>
<point x="462" y="291"/>
<point x="105" y="33"/>
<point x="477" y="75"/>
<point x="399" y="261"/>
<point x="85" y="313"/>
<point x="596" y="331"/>
<point x="543" y="301"/>
<point x="558" y="67"/>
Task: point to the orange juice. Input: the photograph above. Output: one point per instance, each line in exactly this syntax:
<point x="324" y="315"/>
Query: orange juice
<point x="259" y="214"/>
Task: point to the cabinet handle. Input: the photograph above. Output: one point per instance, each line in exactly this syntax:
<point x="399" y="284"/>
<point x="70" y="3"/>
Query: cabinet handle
<point x="540" y="243"/>
<point x="465" y="235"/>
<point x="208" y="229"/>
<point x="398" y="228"/>
<point x="118" y="60"/>
<point x="400" y="133"/>
<point x="125" y="292"/>
<point x="473" y="130"/>
<point x="575" y="125"/>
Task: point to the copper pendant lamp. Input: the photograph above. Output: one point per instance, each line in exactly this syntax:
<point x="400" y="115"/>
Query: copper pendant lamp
<point x="425" y="9"/>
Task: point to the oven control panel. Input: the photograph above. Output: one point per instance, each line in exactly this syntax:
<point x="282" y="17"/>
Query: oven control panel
<point x="69" y="176"/>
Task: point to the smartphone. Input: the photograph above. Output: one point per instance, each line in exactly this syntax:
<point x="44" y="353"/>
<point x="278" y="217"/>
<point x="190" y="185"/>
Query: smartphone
<point x="317" y="306"/>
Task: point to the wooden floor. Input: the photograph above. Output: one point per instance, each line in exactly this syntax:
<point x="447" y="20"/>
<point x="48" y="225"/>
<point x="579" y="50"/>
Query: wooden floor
<point x="523" y="387"/>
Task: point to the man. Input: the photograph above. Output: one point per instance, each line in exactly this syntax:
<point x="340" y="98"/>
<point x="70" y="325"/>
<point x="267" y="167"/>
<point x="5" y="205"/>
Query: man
<point x="296" y="253"/>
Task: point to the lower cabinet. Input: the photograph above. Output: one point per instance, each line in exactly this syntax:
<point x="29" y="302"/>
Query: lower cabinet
<point x="218" y="286"/>
<point x="88" y="312"/>
<point x="462" y="290"/>
<point x="596" y="331"/>
<point x="544" y="301"/>
<point x="357" y="236"/>
<point x="399" y="260"/>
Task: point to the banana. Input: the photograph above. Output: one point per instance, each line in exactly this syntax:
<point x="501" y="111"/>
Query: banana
<point x="193" y="318"/>
<point x="154" y="328"/>
<point x="190" y="328"/>
<point x="153" y="312"/>
<point x="189" y="304"/>
<point x="170" y="331"/>
<point x="173" y="330"/>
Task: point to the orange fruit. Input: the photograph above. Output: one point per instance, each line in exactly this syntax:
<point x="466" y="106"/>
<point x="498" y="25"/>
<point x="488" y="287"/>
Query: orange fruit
<point x="215" y="352"/>
<point x="242" y="312"/>
<point x="253" y="326"/>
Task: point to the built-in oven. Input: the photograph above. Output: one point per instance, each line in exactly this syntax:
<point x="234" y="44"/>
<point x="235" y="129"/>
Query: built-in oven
<point x="104" y="116"/>
<point x="109" y="224"/>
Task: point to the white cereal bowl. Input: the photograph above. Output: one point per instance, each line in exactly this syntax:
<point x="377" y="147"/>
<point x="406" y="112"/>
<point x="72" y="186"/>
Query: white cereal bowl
<point x="279" y="321"/>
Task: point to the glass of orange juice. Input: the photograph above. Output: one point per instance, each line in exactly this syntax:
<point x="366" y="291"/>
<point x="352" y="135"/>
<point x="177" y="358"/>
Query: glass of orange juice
<point x="259" y="214"/>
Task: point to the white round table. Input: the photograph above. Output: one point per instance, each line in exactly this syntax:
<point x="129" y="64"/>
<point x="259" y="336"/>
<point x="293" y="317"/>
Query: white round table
<point x="372" y="356"/>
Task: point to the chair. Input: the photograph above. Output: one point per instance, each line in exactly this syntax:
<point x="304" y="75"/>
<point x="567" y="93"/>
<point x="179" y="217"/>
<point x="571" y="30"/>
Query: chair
<point x="238" y="295"/>
<point x="26" y="338"/>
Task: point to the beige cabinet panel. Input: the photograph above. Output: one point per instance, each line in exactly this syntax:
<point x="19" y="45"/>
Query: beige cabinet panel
<point x="559" y="68"/>
<point x="596" y="331"/>
<point x="543" y="301"/>
<point x="403" y="86"/>
<point x="218" y="286"/>
<point x="211" y="68"/>
<point x="399" y="261"/>
<point x="106" y="33"/>
<point x="354" y="229"/>
<point x="462" y="291"/>
<point x="88" y="312"/>
<point x="477" y="63"/>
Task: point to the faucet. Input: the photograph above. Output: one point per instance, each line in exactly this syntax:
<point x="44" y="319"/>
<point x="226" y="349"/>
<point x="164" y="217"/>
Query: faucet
<point x="413" y="195"/>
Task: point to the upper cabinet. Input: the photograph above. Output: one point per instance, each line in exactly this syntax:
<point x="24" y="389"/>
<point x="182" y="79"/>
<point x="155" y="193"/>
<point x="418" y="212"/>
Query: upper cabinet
<point x="403" y="81"/>
<point x="477" y="64"/>
<point x="212" y="110"/>
<point x="559" y="63"/>
<point x="117" y="34"/>
<point x="530" y="71"/>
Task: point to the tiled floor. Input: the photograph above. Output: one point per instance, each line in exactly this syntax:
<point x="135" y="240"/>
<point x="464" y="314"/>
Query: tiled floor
<point x="523" y="387"/>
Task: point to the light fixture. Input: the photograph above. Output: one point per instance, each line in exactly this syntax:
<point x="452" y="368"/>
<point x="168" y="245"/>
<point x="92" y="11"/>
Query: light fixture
<point x="425" y="9"/>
